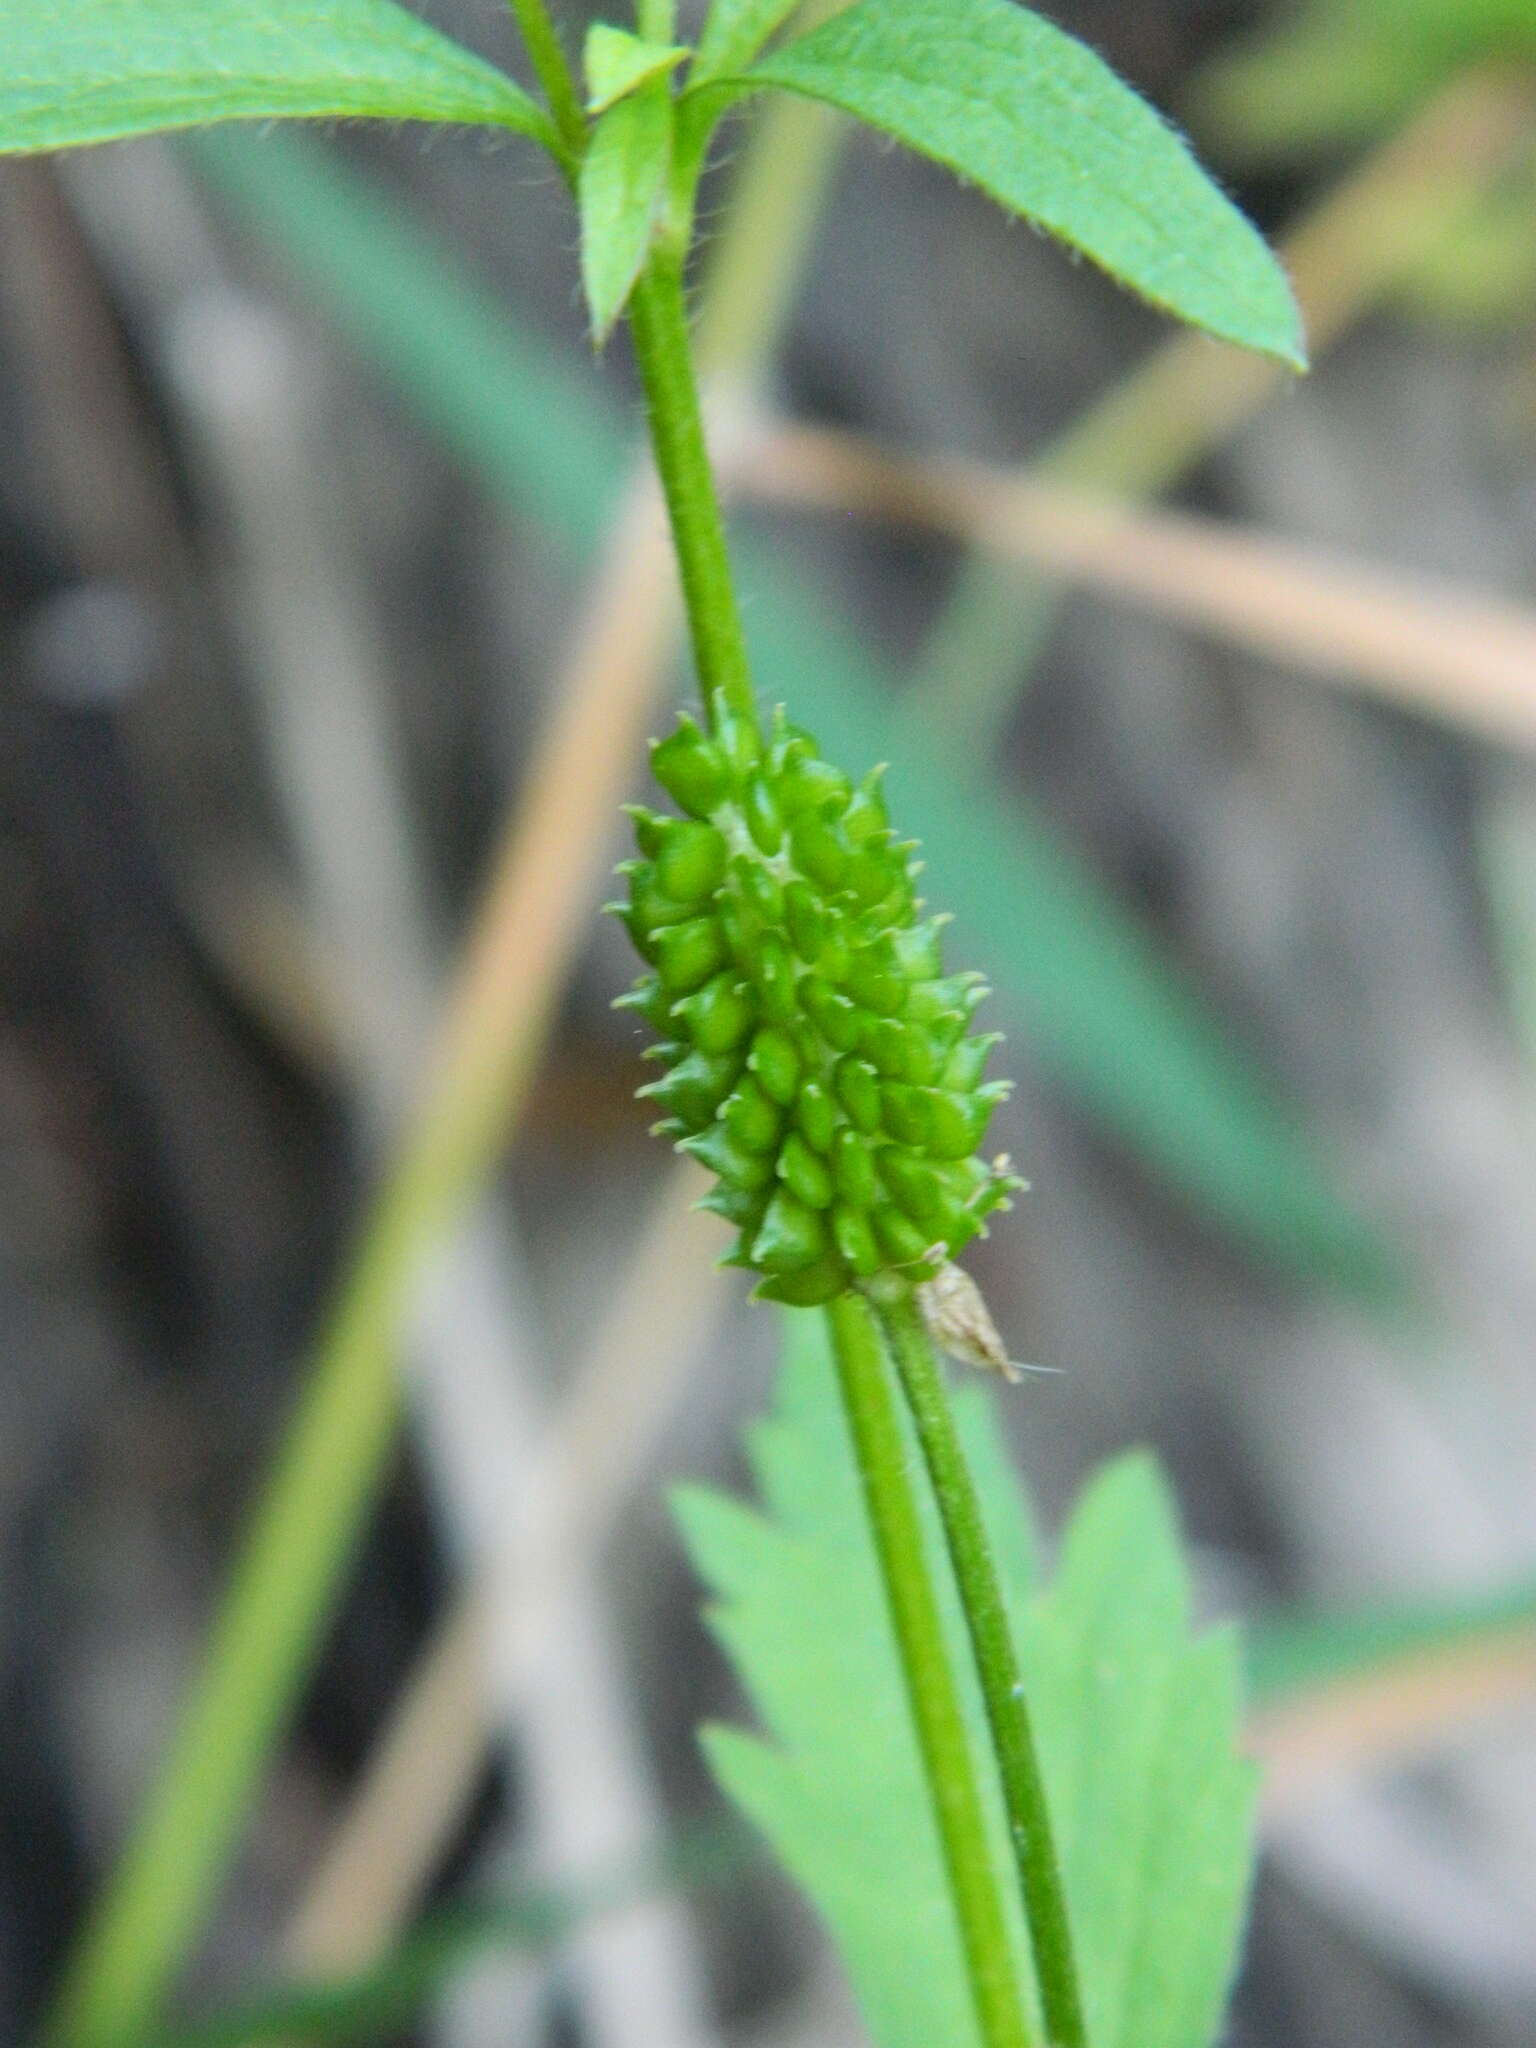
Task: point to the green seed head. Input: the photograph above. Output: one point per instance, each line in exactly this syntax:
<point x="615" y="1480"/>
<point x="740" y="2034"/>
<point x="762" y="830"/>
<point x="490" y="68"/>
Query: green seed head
<point x="815" y="1056"/>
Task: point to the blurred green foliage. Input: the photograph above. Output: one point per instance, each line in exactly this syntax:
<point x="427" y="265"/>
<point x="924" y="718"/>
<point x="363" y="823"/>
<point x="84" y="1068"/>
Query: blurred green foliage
<point x="1343" y="72"/>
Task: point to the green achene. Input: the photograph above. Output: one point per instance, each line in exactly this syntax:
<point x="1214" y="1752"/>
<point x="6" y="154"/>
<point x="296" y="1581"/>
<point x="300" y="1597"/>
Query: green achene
<point x="818" y="1059"/>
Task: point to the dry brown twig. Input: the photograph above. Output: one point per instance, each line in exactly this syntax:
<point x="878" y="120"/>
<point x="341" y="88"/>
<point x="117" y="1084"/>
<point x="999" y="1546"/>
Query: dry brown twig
<point x="1467" y="660"/>
<point x="422" y="1773"/>
<point x="1390" y="1715"/>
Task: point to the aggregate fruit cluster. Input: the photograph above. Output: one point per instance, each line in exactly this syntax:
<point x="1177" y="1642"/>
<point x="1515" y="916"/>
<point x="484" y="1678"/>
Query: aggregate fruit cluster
<point x="817" y="1057"/>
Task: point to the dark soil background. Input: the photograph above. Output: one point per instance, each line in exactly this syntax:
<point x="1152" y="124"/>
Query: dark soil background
<point x="182" y="1150"/>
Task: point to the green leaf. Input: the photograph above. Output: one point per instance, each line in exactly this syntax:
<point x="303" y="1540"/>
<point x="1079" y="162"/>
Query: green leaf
<point x="97" y="70"/>
<point x="1154" y="1807"/>
<point x="615" y="62"/>
<point x="1136" y="1724"/>
<point x="656" y="20"/>
<point x="1110" y="1019"/>
<point x="622" y="186"/>
<point x="735" y="31"/>
<point x="1042" y="126"/>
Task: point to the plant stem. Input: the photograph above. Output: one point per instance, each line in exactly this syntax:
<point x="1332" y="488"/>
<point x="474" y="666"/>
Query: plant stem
<point x="881" y="1450"/>
<point x="656" y="20"/>
<point x="658" y="315"/>
<point x="986" y="1617"/>
<point x="663" y="349"/>
<point x="547" y="55"/>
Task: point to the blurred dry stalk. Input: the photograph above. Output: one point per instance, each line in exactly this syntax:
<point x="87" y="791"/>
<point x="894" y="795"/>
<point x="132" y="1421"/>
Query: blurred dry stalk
<point x="423" y="1770"/>
<point x="110" y="513"/>
<point x="1506" y="846"/>
<point x="529" y="932"/>
<point x="1191" y="396"/>
<point x="110" y="491"/>
<point x="1467" y="660"/>
<point x="1390" y="1715"/>
<point x="258" y="407"/>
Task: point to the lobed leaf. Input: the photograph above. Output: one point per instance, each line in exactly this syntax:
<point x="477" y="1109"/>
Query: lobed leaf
<point x="1040" y="124"/>
<point x="622" y="184"/>
<point x="1153" y="1806"/>
<point x="1135" y="1720"/>
<point x="98" y="70"/>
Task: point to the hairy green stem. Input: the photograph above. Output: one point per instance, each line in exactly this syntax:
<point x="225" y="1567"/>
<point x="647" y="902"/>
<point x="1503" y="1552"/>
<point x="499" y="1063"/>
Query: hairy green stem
<point x="881" y="1450"/>
<point x="986" y="1618"/>
<point x="658" y="317"/>
<point x="547" y="55"/>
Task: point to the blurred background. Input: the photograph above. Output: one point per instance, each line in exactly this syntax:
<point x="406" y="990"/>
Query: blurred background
<point x="334" y="620"/>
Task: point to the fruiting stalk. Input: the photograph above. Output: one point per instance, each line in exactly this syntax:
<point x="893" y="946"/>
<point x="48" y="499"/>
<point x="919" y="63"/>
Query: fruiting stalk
<point x="891" y="1501"/>
<point x="663" y="350"/>
<point x="997" y="1664"/>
